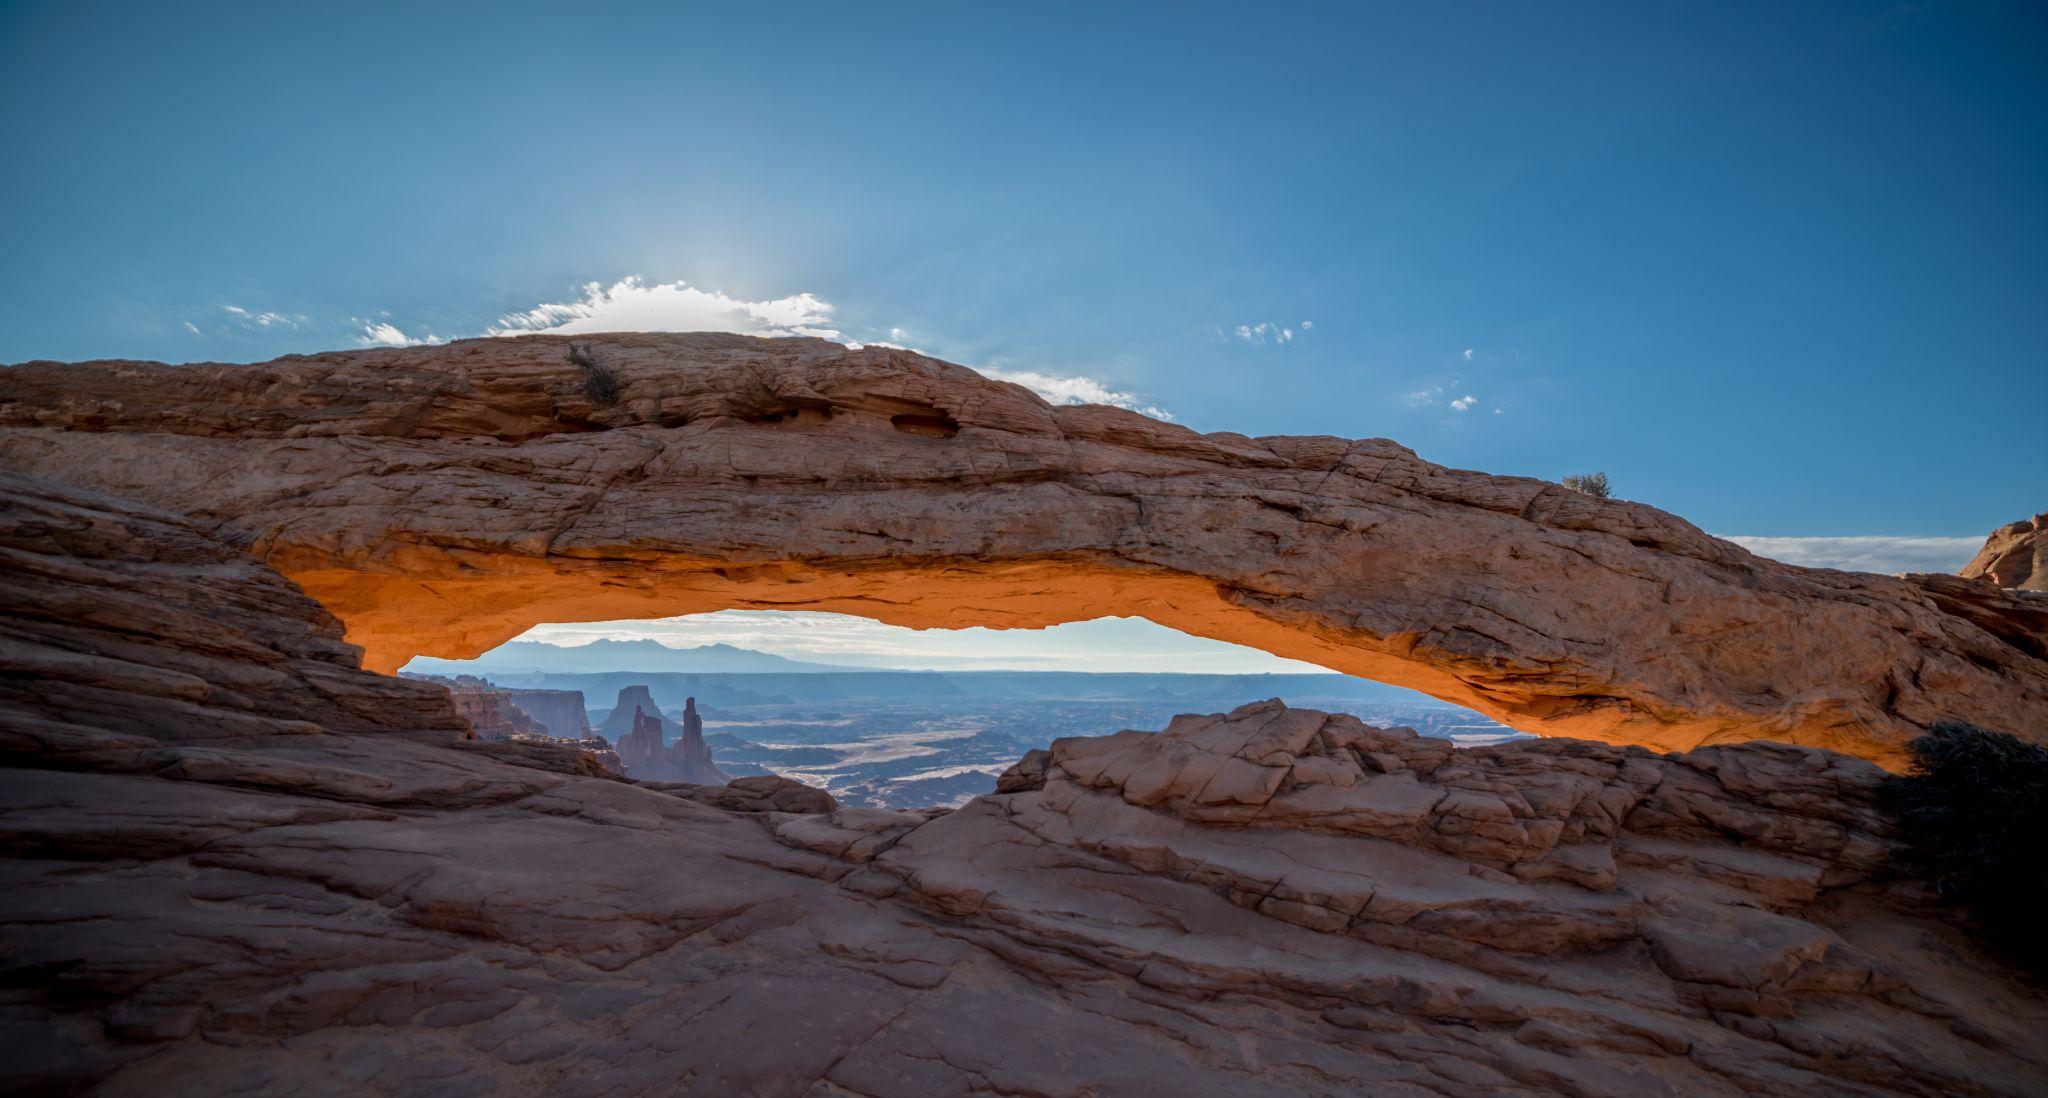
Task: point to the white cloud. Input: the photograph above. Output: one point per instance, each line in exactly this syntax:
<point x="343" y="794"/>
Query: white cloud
<point x="382" y="333"/>
<point x="1868" y="553"/>
<point x="248" y="319"/>
<point x="1269" y="333"/>
<point x="191" y="327"/>
<point x="631" y="305"/>
<point x="634" y="305"/>
<point x="1423" y="397"/>
<point x="1468" y="354"/>
<point x="1073" y="390"/>
<point x="1464" y="403"/>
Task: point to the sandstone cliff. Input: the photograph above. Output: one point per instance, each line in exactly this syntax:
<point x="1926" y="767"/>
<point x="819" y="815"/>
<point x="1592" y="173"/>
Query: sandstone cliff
<point x="491" y="713"/>
<point x="561" y="712"/>
<point x="644" y="753"/>
<point x="2015" y="555"/>
<point x="235" y="863"/>
<point x="442" y="499"/>
<point x="620" y="720"/>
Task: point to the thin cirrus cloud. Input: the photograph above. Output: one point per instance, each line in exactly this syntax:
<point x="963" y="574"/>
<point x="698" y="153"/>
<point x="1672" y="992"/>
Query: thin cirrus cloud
<point x="1866" y="553"/>
<point x="1267" y="332"/>
<point x="249" y="318"/>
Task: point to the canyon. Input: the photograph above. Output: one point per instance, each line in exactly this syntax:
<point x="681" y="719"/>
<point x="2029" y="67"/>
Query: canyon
<point x="240" y="857"/>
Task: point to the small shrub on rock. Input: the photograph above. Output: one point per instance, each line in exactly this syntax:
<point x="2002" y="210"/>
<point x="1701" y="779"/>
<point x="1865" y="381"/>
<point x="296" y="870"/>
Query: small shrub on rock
<point x="1592" y="484"/>
<point x="1974" y="809"/>
<point x="600" y="384"/>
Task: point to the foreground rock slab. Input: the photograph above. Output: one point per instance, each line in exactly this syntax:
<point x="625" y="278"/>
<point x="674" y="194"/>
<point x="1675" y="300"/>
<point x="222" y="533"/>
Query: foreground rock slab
<point x="236" y="864"/>
<point x="441" y="500"/>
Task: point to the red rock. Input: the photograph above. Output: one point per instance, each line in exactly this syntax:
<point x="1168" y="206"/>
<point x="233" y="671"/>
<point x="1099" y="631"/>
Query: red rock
<point x="441" y="500"/>
<point x="235" y="863"/>
<point x="2014" y="556"/>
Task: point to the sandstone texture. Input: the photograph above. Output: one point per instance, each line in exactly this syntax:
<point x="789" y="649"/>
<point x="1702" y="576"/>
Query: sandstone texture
<point x="235" y="863"/>
<point x="2015" y="555"/>
<point x="491" y="713"/>
<point x="440" y="500"/>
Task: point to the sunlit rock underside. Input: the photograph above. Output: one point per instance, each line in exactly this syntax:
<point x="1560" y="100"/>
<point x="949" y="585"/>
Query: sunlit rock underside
<point x="235" y="863"/>
<point x="440" y="500"/>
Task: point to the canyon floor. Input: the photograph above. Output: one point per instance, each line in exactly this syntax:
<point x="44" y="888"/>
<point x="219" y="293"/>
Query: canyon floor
<point x="238" y="863"/>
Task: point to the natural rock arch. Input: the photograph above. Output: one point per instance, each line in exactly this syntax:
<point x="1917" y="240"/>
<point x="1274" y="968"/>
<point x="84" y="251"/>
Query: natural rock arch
<point x="440" y="500"/>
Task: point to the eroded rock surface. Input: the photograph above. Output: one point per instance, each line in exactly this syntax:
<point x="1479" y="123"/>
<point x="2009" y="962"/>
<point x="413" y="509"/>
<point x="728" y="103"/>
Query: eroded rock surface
<point x="441" y="500"/>
<point x="561" y="712"/>
<point x="234" y="863"/>
<point x="644" y="753"/>
<point x="2015" y="555"/>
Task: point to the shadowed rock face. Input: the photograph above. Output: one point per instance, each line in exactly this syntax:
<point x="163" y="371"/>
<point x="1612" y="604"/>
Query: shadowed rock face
<point x="234" y="863"/>
<point x="441" y="500"/>
<point x="561" y="712"/>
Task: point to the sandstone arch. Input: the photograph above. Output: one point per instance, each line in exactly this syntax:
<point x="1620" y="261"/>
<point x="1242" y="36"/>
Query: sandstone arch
<point x="442" y="499"/>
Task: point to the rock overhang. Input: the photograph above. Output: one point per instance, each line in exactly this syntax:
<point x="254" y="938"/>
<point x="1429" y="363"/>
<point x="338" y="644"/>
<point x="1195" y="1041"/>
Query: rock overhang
<point x="440" y="500"/>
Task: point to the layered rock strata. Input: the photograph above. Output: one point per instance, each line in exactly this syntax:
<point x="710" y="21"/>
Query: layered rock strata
<point x="561" y="712"/>
<point x="492" y="714"/>
<point x="2015" y="555"/>
<point x="235" y="863"/>
<point x="441" y="500"/>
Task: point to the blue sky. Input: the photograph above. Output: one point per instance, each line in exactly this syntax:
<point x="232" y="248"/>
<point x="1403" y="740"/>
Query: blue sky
<point x="1779" y="268"/>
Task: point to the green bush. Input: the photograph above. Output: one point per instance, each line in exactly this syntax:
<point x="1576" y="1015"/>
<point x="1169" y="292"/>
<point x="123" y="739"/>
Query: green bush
<point x="1592" y="484"/>
<point x="1974" y="810"/>
<point x="600" y="384"/>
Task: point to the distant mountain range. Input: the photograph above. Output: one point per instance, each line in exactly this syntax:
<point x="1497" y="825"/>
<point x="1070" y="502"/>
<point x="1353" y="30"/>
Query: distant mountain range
<point x="724" y="675"/>
<point x="617" y="655"/>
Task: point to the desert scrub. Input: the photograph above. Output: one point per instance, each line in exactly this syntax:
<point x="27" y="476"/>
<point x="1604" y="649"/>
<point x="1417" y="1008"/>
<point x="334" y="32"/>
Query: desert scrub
<point x="1974" y="811"/>
<point x="600" y="384"/>
<point x="1592" y="484"/>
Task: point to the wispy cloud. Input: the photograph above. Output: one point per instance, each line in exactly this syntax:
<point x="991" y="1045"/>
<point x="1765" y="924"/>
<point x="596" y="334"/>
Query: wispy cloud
<point x="632" y="305"/>
<point x="1867" y="553"/>
<point x="250" y="319"/>
<point x="1057" y="389"/>
<point x="1266" y="332"/>
<point x="191" y="327"/>
<point x="1464" y="403"/>
<point x="1468" y="354"/>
